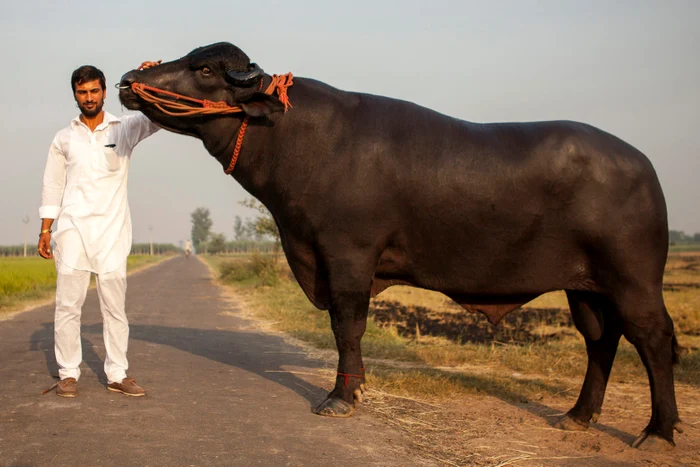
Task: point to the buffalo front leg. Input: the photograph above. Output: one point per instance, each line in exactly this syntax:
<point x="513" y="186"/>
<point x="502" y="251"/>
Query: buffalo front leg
<point x="348" y="320"/>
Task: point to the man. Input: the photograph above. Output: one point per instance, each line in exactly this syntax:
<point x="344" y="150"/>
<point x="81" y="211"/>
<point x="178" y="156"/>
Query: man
<point x="84" y="190"/>
<point x="188" y="248"/>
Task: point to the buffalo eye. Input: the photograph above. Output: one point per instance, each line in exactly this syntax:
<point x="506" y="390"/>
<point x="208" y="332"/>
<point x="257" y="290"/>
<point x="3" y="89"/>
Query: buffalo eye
<point x="206" y="71"/>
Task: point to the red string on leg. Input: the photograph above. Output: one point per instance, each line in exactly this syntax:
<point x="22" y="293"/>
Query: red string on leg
<point x="347" y="377"/>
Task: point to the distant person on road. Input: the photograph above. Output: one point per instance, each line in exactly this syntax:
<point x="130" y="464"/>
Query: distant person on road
<point x="84" y="190"/>
<point x="188" y="249"/>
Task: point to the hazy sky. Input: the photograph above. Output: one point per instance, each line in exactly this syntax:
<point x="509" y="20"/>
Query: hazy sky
<point x="631" y="68"/>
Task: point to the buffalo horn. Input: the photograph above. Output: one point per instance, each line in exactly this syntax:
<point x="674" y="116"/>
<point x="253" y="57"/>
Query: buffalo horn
<point x="245" y="78"/>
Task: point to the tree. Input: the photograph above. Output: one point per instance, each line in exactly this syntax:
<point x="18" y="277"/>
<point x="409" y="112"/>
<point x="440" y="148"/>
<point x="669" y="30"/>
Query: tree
<point x="239" y="229"/>
<point x="677" y="236"/>
<point x="201" y="226"/>
<point x="696" y="238"/>
<point x="264" y="224"/>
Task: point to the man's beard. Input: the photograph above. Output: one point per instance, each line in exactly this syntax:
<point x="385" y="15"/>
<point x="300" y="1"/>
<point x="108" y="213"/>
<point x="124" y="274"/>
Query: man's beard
<point x="90" y="113"/>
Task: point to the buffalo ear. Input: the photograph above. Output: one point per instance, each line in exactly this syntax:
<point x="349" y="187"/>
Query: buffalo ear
<point x="259" y="104"/>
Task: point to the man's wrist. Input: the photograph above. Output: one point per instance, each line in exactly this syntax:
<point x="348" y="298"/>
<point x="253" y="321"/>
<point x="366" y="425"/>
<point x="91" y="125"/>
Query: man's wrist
<point x="45" y="231"/>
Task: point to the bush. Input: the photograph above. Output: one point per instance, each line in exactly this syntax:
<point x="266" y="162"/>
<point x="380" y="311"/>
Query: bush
<point x="217" y="244"/>
<point x="266" y="269"/>
<point x="235" y="271"/>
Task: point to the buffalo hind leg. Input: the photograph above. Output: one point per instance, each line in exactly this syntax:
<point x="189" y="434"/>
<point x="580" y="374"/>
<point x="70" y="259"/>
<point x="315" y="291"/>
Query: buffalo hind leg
<point x="348" y="311"/>
<point x="649" y="328"/>
<point x="601" y="328"/>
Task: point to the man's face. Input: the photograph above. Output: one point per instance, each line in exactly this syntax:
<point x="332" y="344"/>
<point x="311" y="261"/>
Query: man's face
<point x="90" y="98"/>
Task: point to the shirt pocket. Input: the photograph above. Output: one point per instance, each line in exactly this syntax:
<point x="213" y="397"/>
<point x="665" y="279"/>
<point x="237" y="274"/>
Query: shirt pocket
<point x="112" y="160"/>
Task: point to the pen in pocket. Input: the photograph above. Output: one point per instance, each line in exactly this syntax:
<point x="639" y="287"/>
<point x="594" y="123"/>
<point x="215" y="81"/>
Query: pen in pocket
<point x="110" y="145"/>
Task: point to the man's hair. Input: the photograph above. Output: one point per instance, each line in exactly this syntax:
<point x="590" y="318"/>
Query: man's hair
<point x="85" y="74"/>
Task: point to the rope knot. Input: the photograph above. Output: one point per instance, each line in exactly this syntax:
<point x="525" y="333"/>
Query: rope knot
<point x="214" y="104"/>
<point x="280" y="83"/>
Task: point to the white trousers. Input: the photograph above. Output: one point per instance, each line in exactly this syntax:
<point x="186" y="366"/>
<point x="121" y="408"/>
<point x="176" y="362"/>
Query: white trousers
<point x="71" y="289"/>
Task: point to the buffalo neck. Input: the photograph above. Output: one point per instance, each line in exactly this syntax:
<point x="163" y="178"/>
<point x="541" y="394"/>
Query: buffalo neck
<point x="255" y="165"/>
<point x="275" y="148"/>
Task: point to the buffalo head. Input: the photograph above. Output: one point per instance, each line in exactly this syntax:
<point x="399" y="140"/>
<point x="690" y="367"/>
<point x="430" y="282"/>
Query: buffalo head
<point x="218" y="72"/>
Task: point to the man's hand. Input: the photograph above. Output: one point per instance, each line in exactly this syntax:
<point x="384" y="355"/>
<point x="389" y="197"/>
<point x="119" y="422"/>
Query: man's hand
<point x="147" y="65"/>
<point x="45" y="245"/>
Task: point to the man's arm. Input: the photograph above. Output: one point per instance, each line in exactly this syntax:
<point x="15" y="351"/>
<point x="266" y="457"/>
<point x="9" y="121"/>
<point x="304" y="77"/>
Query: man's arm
<point x="138" y="128"/>
<point x="54" y="184"/>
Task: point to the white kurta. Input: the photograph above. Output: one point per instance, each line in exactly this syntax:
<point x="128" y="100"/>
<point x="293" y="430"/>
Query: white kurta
<point x="84" y="188"/>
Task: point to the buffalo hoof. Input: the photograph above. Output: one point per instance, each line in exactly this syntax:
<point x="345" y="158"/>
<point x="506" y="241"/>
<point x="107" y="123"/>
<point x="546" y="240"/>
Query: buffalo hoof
<point x="595" y="417"/>
<point x="334" y="407"/>
<point x="569" y="423"/>
<point x="652" y="443"/>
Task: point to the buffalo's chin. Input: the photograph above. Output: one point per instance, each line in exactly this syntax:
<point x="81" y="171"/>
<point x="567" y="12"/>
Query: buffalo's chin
<point x="129" y="99"/>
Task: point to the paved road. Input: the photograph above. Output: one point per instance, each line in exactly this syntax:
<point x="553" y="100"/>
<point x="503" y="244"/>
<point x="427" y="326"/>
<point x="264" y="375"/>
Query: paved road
<point x="211" y="398"/>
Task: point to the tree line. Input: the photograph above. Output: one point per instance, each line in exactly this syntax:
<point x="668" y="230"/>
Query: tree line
<point x="136" y="249"/>
<point x="678" y="237"/>
<point x="158" y="248"/>
<point x="252" y="235"/>
<point x="259" y="234"/>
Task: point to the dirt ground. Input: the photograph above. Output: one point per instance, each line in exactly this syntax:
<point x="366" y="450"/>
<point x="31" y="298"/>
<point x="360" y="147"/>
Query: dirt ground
<point x="484" y="430"/>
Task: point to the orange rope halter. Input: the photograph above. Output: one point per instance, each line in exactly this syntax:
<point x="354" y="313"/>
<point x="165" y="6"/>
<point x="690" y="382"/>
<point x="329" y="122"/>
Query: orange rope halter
<point x="181" y="109"/>
<point x="279" y="83"/>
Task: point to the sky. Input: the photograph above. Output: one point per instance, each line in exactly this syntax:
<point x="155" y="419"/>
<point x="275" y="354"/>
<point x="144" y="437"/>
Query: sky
<point x="629" y="67"/>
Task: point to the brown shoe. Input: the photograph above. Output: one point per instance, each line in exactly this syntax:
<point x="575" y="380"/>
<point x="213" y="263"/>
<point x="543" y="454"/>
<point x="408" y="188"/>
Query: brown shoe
<point x="128" y="386"/>
<point x="67" y="388"/>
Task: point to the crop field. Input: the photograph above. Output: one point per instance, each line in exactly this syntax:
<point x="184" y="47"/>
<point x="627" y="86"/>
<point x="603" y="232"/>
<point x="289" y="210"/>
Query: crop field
<point x="24" y="280"/>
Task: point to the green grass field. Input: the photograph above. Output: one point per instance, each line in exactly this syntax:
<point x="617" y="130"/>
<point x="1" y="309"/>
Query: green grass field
<point x="23" y="280"/>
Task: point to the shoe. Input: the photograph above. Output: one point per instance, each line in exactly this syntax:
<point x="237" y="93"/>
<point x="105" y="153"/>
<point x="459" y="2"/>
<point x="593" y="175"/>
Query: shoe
<point x="67" y="388"/>
<point x="128" y="386"/>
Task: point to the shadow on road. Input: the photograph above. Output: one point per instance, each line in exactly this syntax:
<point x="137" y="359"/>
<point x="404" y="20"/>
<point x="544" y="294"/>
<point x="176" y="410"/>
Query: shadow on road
<point x="244" y="350"/>
<point x="43" y="340"/>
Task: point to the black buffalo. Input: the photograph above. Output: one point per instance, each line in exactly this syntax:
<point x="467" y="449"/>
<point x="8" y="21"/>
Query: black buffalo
<point x="369" y="192"/>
